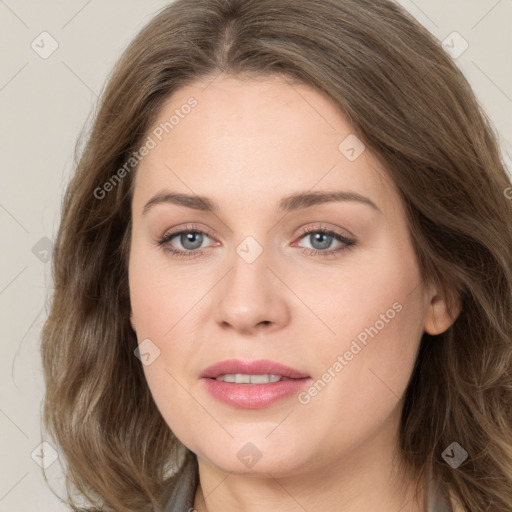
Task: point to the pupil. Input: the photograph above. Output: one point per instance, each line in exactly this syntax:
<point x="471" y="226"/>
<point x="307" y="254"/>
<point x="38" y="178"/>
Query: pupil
<point x="189" y="237"/>
<point x="324" y="245"/>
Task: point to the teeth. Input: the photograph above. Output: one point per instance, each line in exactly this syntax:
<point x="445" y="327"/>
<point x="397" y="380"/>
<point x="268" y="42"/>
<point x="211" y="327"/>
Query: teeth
<point x="241" y="378"/>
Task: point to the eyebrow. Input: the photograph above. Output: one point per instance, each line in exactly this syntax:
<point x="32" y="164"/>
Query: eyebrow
<point x="289" y="203"/>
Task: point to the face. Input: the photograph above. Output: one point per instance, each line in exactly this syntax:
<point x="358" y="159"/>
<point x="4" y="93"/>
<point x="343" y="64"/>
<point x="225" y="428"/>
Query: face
<point x="328" y="288"/>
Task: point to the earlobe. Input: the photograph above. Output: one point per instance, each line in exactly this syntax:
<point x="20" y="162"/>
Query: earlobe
<point x="438" y="318"/>
<point x="132" y="321"/>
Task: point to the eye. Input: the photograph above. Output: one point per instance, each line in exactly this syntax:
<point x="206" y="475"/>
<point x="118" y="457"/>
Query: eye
<point x="322" y="239"/>
<point x="189" y="239"/>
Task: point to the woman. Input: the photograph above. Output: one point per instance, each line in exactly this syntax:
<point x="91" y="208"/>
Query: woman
<point x="283" y="272"/>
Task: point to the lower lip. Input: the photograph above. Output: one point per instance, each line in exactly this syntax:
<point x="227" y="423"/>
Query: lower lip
<point x="253" y="396"/>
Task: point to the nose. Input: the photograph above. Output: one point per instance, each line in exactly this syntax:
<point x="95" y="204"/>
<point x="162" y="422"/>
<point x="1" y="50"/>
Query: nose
<point x="251" y="298"/>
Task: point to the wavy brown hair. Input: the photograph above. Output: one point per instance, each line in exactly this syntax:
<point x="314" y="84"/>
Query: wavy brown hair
<point x="415" y="111"/>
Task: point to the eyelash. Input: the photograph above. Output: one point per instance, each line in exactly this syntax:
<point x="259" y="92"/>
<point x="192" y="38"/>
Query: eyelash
<point x="349" y="243"/>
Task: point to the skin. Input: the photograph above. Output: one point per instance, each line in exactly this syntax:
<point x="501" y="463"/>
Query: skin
<point x="246" y="145"/>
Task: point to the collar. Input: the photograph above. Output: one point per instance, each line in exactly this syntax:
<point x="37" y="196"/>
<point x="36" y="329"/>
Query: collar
<point x="185" y="486"/>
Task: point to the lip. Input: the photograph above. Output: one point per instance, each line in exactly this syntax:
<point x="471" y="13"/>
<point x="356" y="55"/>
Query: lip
<point x="259" y="367"/>
<point x="253" y="396"/>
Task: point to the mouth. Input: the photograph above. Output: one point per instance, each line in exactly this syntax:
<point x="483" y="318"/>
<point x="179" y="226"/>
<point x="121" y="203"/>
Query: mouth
<point x="261" y="371"/>
<point x="253" y="384"/>
<point x="242" y="378"/>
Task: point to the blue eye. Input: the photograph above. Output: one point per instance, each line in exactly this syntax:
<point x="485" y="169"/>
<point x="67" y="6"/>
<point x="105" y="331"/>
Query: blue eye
<point x="192" y="239"/>
<point x="323" y="239"/>
<point x="189" y="239"/>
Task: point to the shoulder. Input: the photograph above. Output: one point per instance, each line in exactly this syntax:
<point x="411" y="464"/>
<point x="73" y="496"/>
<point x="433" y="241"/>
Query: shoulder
<point x="183" y="486"/>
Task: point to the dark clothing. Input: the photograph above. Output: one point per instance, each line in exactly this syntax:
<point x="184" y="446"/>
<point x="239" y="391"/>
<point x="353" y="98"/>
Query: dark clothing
<point x="183" y="494"/>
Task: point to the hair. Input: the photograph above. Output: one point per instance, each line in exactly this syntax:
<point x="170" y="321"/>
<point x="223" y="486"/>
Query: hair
<point x="416" y="113"/>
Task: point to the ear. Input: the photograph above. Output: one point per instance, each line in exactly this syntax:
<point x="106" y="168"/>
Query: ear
<point x="442" y="311"/>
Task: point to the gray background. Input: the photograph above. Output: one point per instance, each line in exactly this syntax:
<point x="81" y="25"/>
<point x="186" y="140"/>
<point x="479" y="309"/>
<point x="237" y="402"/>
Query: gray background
<point x="44" y="104"/>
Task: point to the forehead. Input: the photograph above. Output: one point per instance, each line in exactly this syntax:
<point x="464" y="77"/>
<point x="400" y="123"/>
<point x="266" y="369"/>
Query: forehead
<point x="255" y="141"/>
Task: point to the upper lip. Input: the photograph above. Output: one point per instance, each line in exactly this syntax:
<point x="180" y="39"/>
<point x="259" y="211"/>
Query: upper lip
<point x="259" y="367"/>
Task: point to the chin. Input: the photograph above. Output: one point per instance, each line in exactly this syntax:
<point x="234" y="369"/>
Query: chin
<point x="258" y="459"/>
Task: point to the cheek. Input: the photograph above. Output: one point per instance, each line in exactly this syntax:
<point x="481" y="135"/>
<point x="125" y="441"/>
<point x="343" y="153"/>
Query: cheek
<point x="170" y="391"/>
<point x="160" y="296"/>
<point x="374" y="290"/>
<point x="161" y="303"/>
<point x="376" y="311"/>
<point x="361" y="377"/>
<point x="158" y="315"/>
